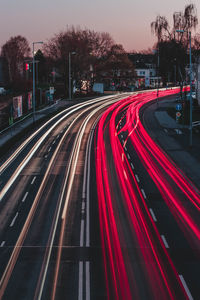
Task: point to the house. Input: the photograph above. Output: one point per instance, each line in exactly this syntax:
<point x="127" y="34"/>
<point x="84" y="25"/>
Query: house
<point x="146" y="70"/>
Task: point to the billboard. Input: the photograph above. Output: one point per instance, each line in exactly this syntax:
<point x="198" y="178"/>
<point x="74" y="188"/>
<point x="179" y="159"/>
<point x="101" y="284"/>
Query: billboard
<point x="30" y="100"/>
<point x="17" y="107"/>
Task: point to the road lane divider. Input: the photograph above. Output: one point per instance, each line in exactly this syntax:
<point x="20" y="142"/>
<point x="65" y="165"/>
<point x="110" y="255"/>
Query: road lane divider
<point x="2" y="243"/>
<point x="14" y="219"/>
<point x="25" y="196"/>
<point x="186" y="287"/>
<point x="165" y="241"/>
<point x="32" y="182"/>
<point x="153" y="215"/>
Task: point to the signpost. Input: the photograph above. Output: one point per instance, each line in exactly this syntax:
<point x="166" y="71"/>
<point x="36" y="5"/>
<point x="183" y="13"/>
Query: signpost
<point x="178" y="113"/>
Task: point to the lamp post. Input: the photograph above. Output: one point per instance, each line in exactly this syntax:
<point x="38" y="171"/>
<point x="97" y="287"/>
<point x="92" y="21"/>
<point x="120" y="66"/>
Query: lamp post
<point x="70" y="87"/>
<point x="190" y="51"/>
<point x="34" y="78"/>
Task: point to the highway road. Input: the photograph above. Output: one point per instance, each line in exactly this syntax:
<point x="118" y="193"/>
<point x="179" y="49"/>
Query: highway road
<point x="92" y="208"/>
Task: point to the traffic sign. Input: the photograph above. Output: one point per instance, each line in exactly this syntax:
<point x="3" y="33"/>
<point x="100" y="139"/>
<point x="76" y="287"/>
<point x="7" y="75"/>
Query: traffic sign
<point x="179" y="106"/>
<point x="51" y="90"/>
<point x="178" y="114"/>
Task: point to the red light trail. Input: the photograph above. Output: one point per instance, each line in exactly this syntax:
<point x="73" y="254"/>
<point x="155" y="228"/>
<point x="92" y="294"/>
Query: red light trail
<point x="128" y="231"/>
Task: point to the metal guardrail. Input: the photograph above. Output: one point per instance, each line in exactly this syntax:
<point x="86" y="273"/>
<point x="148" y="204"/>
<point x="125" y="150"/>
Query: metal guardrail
<point x="29" y="115"/>
<point x="12" y="125"/>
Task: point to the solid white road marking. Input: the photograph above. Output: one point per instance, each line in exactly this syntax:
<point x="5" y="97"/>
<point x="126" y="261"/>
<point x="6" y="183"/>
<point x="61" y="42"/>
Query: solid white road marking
<point x="165" y="241"/>
<point x="186" y="287"/>
<point x="153" y="215"/>
<point x="14" y="219"/>
<point x="32" y="182"/>
<point x="25" y="196"/>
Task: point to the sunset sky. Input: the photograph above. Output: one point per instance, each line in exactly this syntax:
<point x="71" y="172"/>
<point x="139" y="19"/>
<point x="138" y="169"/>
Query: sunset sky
<point x="128" y="21"/>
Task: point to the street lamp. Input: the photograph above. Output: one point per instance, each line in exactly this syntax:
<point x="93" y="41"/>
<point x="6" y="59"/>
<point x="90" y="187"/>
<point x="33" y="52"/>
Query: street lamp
<point x="70" y="88"/>
<point x="34" y="78"/>
<point x="182" y="31"/>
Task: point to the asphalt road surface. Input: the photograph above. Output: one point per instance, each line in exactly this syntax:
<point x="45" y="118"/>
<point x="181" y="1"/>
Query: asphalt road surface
<point x="92" y="208"/>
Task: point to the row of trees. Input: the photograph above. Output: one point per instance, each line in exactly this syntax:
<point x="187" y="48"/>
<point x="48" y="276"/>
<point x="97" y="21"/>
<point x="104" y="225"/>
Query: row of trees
<point x="172" y="46"/>
<point x="96" y="54"/>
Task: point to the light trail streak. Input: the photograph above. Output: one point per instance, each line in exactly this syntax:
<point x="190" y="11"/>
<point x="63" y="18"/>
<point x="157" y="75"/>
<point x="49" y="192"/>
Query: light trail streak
<point x="39" y="143"/>
<point x="121" y="283"/>
<point x="69" y="184"/>
<point x="67" y="111"/>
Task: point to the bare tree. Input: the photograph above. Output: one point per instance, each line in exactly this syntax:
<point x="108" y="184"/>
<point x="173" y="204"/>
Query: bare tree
<point x="172" y="45"/>
<point x="89" y="46"/>
<point x="160" y="27"/>
<point x="14" y="51"/>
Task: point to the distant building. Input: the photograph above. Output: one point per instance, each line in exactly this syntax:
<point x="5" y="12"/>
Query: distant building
<point x="145" y="68"/>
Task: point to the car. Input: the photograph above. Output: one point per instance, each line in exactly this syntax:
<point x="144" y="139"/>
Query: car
<point x="193" y="96"/>
<point x="2" y="91"/>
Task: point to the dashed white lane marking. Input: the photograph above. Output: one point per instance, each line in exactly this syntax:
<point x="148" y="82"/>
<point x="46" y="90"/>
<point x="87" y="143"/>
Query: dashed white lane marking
<point x="122" y="141"/>
<point x="186" y="287"/>
<point x="143" y="193"/>
<point x="128" y="156"/>
<point x="54" y="142"/>
<point x="80" y="283"/>
<point x="132" y="166"/>
<point x="165" y="130"/>
<point x="83" y="206"/>
<point x="137" y="178"/>
<point x="45" y="157"/>
<point x="165" y="241"/>
<point x="153" y="215"/>
<point x="3" y="243"/>
<point x="82" y="233"/>
<point x="58" y="136"/>
<point x="25" y="196"/>
<point x="32" y="182"/>
<point x="14" y="219"/>
<point x="87" y="267"/>
<point x="125" y="148"/>
<point x="49" y="149"/>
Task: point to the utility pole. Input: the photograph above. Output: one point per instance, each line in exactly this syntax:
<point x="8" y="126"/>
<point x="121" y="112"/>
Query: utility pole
<point x="34" y="79"/>
<point x="70" y="76"/>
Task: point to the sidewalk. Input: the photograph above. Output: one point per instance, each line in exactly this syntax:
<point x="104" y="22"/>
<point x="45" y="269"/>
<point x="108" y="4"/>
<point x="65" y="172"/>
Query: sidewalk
<point x="174" y="139"/>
